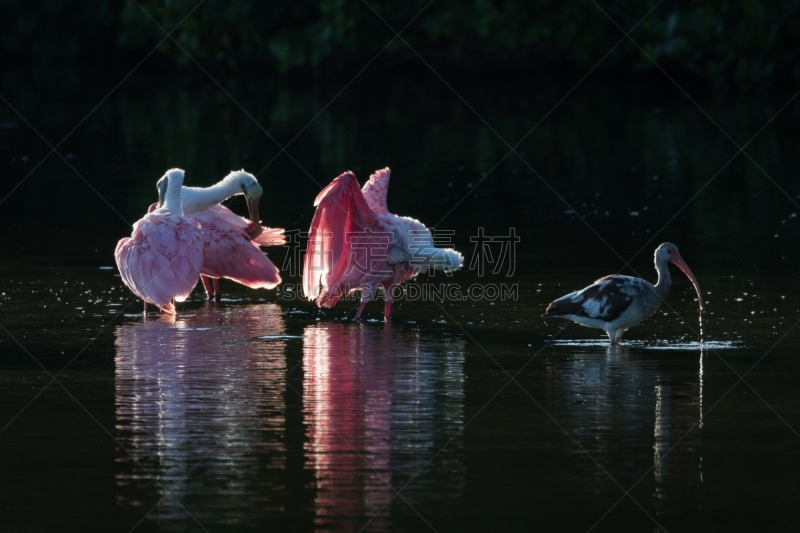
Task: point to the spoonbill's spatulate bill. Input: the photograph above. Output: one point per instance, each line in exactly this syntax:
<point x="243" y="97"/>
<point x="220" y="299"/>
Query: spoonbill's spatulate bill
<point x="162" y="258"/>
<point x="616" y="303"/>
<point x="230" y="242"/>
<point x="356" y="243"/>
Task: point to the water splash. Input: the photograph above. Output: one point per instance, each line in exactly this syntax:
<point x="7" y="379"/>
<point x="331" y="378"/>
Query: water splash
<point x="653" y="344"/>
<point x="700" y="395"/>
<point x="702" y="338"/>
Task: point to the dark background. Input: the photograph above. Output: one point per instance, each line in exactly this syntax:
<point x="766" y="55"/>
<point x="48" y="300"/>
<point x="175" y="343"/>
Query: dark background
<point x="748" y="45"/>
<point x="613" y="155"/>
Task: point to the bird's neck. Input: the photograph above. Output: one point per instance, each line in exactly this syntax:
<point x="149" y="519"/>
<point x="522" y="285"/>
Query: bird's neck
<point x="664" y="280"/>
<point x="199" y="198"/>
<point x="172" y="200"/>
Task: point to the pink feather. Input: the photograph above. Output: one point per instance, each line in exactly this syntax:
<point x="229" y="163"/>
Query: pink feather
<point x="162" y="259"/>
<point x="348" y="247"/>
<point x="229" y="253"/>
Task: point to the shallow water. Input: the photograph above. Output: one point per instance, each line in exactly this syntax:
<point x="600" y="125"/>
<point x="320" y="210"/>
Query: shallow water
<point x="656" y="344"/>
<point x="462" y="415"/>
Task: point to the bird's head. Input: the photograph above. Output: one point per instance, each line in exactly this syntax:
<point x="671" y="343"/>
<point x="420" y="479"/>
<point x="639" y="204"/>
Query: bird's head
<point x="253" y="192"/>
<point x="668" y="252"/>
<point x="246" y="183"/>
<point x="162" y="185"/>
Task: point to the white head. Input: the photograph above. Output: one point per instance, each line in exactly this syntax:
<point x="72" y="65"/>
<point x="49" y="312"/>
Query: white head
<point x="246" y="182"/>
<point x="252" y="192"/>
<point x="169" y="191"/>
<point x="668" y="252"/>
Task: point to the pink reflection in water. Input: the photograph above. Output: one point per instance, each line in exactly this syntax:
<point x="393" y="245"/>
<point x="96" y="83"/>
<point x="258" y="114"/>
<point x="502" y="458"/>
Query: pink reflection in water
<point x="373" y="405"/>
<point x="200" y="387"/>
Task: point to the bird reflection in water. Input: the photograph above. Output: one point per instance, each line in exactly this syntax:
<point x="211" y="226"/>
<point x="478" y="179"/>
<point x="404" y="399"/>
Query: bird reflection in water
<point x="628" y="385"/>
<point x="201" y="408"/>
<point x="379" y="402"/>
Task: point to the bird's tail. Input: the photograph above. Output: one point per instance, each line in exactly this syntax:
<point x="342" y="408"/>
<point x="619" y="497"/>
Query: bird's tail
<point x="270" y="237"/>
<point x="448" y="259"/>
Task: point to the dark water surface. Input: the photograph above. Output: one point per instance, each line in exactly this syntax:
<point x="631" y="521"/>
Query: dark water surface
<point x="264" y="413"/>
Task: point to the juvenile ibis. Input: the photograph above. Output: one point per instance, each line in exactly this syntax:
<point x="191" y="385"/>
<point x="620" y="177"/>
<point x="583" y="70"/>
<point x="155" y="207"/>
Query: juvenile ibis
<point x="616" y="303"/>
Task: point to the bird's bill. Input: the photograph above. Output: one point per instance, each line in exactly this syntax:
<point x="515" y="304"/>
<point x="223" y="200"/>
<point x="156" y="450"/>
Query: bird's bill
<point x="252" y="208"/>
<point x="680" y="263"/>
<point x="162" y="191"/>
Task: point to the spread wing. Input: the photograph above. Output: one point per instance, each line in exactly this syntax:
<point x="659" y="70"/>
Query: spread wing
<point x="376" y="189"/>
<point x="341" y="210"/>
<point x="605" y="300"/>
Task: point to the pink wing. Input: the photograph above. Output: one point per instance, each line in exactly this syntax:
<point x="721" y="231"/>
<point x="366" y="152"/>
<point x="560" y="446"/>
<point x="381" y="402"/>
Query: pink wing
<point x="220" y="213"/>
<point x="162" y="259"/>
<point x="376" y="189"/>
<point x="229" y="253"/>
<point x="268" y="236"/>
<point x="344" y="242"/>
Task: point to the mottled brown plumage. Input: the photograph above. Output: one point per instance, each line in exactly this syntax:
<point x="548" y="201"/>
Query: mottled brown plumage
<point x="616" y="303"/>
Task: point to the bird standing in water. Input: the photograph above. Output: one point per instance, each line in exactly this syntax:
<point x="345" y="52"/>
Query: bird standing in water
<point x="616" y="303"/>
<point x="356" y="243"/>
<point x="162" y="259"/>
<point x="230" y="242"/>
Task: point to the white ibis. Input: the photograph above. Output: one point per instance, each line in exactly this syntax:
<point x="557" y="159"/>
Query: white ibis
<point x="616" y="303"/>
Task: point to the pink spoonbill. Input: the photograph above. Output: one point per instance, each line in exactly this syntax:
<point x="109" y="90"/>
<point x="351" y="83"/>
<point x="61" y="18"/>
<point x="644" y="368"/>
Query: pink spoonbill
<point x="230" y="242"/>
<point x="162" y="258"/>
<point x="355" y="243"/>
<point x="616" y="303"/>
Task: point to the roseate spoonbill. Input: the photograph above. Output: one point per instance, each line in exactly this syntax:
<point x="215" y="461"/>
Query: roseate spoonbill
<point x="163" y="257"/>
<point x="356" y="243"/>
<point x="616" y="303"/>
<point x="230" y="242"/>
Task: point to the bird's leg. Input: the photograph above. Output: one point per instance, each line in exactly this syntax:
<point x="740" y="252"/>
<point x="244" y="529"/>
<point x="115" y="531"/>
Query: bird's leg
<point x="217" y="293"/>
<point x="207" y="285"/>
<point x="615" y="335"/>
<point x="361" y="309"/>
<point x="366" y="295"/>
<point x="387" y="307"/>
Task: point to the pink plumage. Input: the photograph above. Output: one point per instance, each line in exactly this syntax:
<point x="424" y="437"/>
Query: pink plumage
<point x="376" y="189"/>
<point x="356" y="243"/>
<point x="230" y="253"/>
<point x="162" y="259"/>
